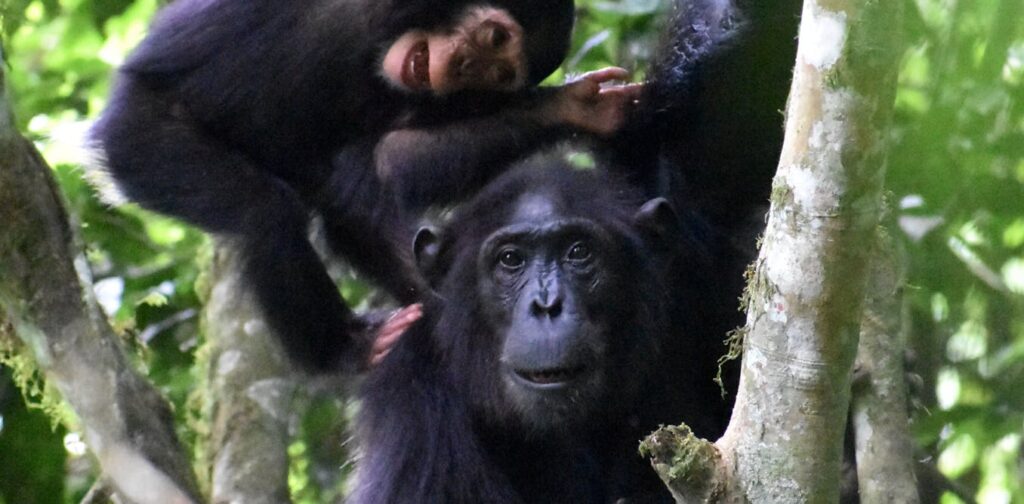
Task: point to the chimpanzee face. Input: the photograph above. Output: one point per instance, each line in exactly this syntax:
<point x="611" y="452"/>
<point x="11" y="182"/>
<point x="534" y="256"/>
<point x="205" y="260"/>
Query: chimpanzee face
<point x="484" y="50"/>
<point x="544" y="283"/>
<point x="550" y="300"/>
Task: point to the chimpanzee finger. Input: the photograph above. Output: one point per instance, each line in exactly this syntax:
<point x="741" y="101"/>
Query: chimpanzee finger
<point x="392" y="329"/>
<point x="630" y="91"/>
<point x="605" y="75"/>
<point x="395" y="325"/>
<point x="582" y="89"/>
<point x="378" y="358"/>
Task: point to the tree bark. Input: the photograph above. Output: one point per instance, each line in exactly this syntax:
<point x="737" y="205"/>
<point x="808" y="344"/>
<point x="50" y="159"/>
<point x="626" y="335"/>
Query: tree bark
<point x="884" y="452"/>
<point x="784" y="441"/>
<point x="46" y="294"/>
<point x="250" y="394"/>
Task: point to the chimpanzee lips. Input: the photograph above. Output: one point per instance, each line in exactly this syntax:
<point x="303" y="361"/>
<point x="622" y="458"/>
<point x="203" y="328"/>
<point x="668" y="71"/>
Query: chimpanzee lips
<point x="549" y="376"/>
<point x="416" y="69"/>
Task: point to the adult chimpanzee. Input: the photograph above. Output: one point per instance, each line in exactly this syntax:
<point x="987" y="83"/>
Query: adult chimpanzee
<point x="526" y="383"/>
<point x="578" y="309"/>
<point x="243" y="116"/>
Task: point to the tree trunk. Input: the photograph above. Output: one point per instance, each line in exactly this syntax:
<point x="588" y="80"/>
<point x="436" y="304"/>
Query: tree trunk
<point x="250" y="393"/>
<point x="784" y="441"/>
<point x="884" y="452"/>
<point x="46" y="294"/>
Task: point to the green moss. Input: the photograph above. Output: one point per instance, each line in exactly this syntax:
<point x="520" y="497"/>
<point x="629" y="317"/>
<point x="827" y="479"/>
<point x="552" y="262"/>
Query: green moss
<point x="733" y="350"/>
<point x="781" y="194"/>
<point x="679" y="455"/>
<point x="35" y="390"/>
<point x="197" y="415"/>
<point x="832" y="79"/>
<point x="757" y="287"/>
<point x="199" y="404"/>
<point x="204" y="257"/>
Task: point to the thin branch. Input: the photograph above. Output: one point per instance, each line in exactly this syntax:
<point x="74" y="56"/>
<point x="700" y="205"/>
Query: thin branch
<point x="884" y="452"/>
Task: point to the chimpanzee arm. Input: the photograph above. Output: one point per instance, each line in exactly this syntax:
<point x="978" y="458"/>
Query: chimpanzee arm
<point x="446" y="164"/>
<point x="438" y="158"/>
<point x="363" y="224"/>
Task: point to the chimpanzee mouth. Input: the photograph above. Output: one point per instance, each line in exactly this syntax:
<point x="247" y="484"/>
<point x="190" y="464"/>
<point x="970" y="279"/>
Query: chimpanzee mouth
<point x="416" y="70"/>
<point x="550" y="376"/>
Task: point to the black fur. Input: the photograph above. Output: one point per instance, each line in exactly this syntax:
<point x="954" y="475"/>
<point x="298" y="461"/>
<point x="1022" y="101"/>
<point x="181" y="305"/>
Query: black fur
<point x="244" y="116"/>
<point x="440" y="423"/>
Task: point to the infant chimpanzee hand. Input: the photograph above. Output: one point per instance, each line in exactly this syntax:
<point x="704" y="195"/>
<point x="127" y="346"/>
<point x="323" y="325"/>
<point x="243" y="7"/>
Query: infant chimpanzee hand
<point x="391" y="330"/>
<point x="585" y="104"/>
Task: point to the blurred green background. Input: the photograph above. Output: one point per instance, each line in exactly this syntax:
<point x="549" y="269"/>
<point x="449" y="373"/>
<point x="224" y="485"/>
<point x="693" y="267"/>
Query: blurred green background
<point x="956" y="178"/>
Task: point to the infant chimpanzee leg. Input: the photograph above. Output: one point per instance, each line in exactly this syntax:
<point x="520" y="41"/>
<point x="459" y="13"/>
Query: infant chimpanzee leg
<point x="169" y="166"/>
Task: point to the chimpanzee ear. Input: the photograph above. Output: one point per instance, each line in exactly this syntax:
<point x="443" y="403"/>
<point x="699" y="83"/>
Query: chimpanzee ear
<point x="425" y="247"/>
<point x="658" y="221"/>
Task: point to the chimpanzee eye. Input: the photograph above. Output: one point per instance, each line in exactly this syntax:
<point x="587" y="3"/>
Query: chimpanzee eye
<point x="579" y="252"/>
<point x="499" y="36"/>
<point x="511" y="259"/>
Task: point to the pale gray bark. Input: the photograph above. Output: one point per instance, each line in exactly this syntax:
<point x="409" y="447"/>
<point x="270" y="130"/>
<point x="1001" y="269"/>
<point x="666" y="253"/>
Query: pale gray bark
<point x="884" y="452"/>
<point x="251" y="389"/>
<point x="784" y="441"/>
<point x="46" y="294"/>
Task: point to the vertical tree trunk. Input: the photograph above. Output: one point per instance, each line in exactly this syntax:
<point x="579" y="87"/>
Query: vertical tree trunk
<point x="784" y="442"/>
<point x="250" y="393"/>
<point x="884" y="453"/>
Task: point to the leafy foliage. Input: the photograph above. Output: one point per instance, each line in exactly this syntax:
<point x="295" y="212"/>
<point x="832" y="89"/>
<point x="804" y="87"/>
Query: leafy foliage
<point x="956" y="167"/>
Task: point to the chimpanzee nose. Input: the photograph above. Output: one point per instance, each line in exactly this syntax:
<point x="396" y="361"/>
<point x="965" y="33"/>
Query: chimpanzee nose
<point x="546" y="304"/>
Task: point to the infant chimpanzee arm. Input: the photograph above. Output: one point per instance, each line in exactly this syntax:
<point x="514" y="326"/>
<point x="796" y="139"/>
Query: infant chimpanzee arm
<point x="444" y="161"/>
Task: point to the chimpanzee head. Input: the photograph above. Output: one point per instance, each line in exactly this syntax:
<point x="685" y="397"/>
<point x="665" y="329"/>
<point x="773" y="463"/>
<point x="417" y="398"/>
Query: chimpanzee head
<point x="551" y="293"/>
<point x="496" y="45"/>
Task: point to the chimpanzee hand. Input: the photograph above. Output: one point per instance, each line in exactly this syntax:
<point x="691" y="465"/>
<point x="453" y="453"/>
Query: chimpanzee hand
<point x="388" y="332"/>
<point x="585" y="104"/>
